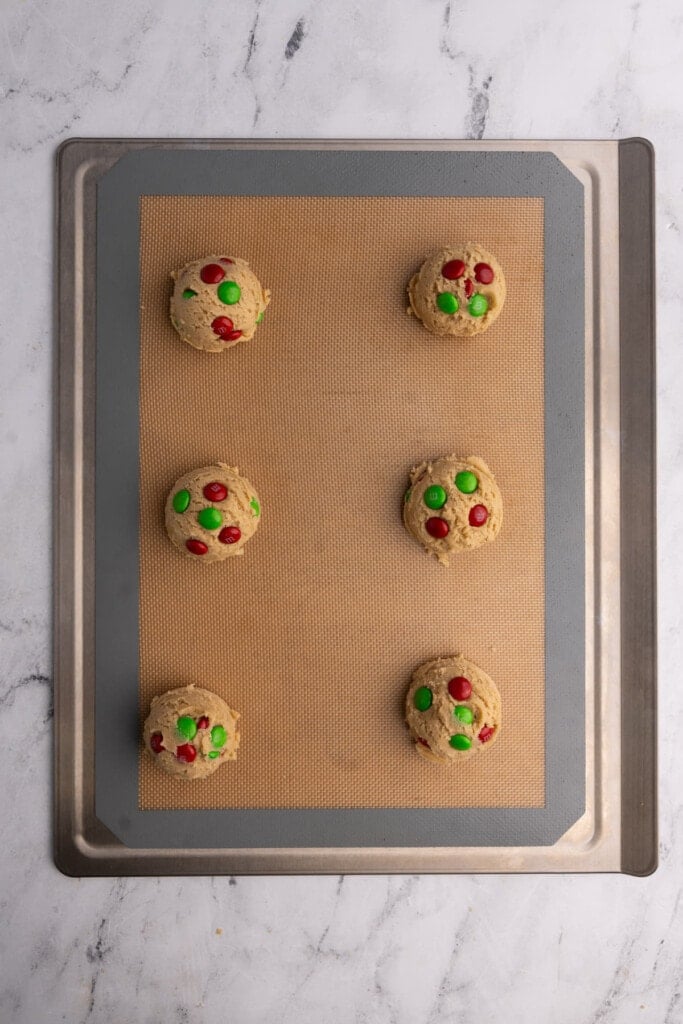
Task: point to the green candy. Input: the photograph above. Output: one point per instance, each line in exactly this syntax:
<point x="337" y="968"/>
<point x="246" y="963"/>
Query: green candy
<point x="460" y="742"/>
<point x="187" y="727"/>
<point x="259" y="318"/>
<point x="210" y="518"/>
<point x="255" y="506"/>
<point x="218" y="736"/>
<point x="406" y="496"/>
<point x="466" y="482"/>
<point x="478" y="305"/>
<point x="181" y="500"/>
<point x="189" y="293"/>
<point x="434" y="497"/>
<point x="464" y="714"/>
<point x="447" y="302"/>
<point x="423" y="698"/>
<point x="229" y="292"/>
<point x="213" y="754"/>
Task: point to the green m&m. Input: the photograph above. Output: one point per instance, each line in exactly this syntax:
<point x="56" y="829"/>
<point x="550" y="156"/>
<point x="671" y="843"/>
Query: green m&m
<point x="259" y="318"/>
<point x="181" y="500"/>
<point x="213" y="754"/>
<point x="447" y="303"/>
<point x="434" y="496"/>
<point x="255" y="506"/>
<point x="460" y="742"/>
<point x="463" y="714"/>
<point x="210" y="518"/>
<point x="423" y="698"/>
<point x="477" y="305"/>
<point x="466" y="482"/>
<point x="218" y="736"/>
<point x="189" y="293"/>
<point x="187" y="727"/>
<point x="229" y="292"/>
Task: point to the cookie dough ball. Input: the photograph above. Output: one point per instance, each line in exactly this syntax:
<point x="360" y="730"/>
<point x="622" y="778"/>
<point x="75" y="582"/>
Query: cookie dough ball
<point x="211" y="513"/>
<point x="453" y="710"/>
<point x="217" y="302"/>
<point x="453" y="504"/>
<point x="190" y="732"/>
<point x="458" y="291"/>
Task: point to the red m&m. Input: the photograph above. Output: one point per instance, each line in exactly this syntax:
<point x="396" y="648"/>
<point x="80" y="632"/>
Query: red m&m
<point x="483" y="273"/>
<point x="486" y="734"/>
<point x="469" y="287"/>
<point x="215" y="491"/>
<point x="211" y="273"/>
<point x="155" y="742"/>
<point x="186" y="753"/>
<point x="229" y="535"/>
<point x="478" y="515"/>
<point x="203" y="722"/>
<point x="453" y="270"/>
<point x="225" y="328"/>
<point x="196" y="547"/>
<point x="460" y="688"/>
<point x="437" y="527"/>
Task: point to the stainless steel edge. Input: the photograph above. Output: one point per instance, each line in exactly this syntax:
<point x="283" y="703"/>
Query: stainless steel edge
<point x="638" y="508"/>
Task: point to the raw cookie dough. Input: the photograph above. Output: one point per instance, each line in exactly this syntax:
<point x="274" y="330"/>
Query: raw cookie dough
<point x="453" y="504"/>
<point x="458" y="291"/>
<point x="211" y="513"/>
<point x="191" y="732"/>
<point x="453" y="710"/>
<point x="217" y="302"/>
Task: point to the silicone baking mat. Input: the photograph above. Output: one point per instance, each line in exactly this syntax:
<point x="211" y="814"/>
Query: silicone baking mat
<point x="314" y="633"/>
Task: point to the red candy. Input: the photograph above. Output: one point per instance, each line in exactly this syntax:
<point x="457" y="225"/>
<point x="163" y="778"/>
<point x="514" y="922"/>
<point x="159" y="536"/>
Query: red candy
<point x="469" y="287"/>
<point x="453" y="270"/>
<point x="186" y="753"/>
<point x="423" y="742"/>
<point x="225" y="259"/>
<point x="478" y="515"/>
<point x="203" y="722"/>
<point x="222" y="326"/>
<point x="212" y="273"/>
<point x="486" y="734"/>
<point x="483" y="273"/>
<point x="460" y="688"/>
<point x="437" y="527"/>
<point x="225" y="328"/>
<point x="155" y="742"/>
<point x="196" y="547"/>
<point x="229" y="535"/>
<point x="215" y="491"/>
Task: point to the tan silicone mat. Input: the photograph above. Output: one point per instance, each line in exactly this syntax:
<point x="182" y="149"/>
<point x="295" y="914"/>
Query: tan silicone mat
<point x="314" y="633"/>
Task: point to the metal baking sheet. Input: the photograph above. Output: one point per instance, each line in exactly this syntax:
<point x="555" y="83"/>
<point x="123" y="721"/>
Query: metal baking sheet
<point x="589" y="821"/>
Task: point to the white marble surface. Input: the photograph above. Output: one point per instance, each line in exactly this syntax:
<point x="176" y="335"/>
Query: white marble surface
<point x="405" y="950"/>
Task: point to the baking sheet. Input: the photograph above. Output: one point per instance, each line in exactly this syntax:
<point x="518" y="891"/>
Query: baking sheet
<point x="313" y="635"/>
<point x="101" y="846"/>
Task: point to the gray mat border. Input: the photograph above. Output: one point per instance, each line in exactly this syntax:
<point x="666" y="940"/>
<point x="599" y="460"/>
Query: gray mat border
<point x="338" y="172"/>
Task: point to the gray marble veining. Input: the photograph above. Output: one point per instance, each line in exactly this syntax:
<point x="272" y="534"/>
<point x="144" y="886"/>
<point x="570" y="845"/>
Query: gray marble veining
<point x="405" y="950"/>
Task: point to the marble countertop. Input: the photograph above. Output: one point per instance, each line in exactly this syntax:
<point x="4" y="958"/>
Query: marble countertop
<point x="400" y="950"/>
